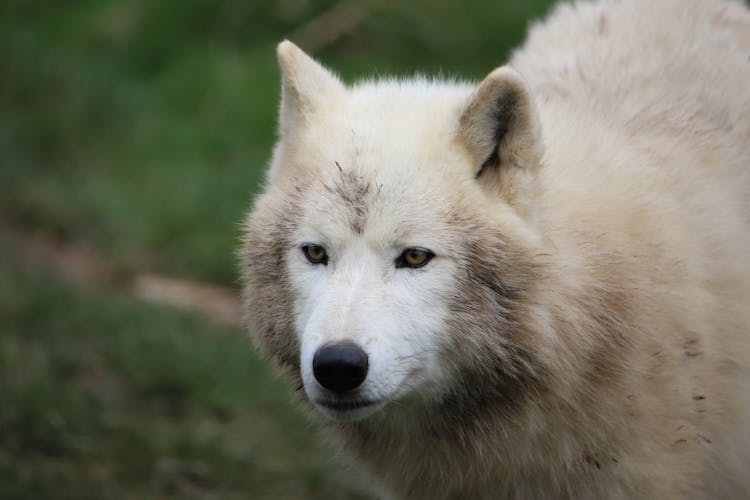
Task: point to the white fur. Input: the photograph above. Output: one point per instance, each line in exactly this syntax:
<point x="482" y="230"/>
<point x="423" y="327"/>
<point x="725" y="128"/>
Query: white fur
<point x="596" y="270"/>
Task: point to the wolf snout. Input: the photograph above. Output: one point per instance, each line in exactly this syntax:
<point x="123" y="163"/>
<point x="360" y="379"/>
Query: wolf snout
<point x="340" y="367"/>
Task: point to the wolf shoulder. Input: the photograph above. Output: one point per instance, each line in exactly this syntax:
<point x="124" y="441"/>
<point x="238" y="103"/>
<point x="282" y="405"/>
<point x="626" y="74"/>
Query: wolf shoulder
<point x="674" y="67"/>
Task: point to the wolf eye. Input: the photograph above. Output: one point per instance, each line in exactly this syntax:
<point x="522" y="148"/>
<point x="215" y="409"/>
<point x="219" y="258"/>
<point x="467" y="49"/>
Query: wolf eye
<point x="414" y="257"/>
<point x="316" y="254"/>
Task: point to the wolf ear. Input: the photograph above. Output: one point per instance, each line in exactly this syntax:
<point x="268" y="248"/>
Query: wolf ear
<point x="501" y="129"/>
<point x="304" y="85"/>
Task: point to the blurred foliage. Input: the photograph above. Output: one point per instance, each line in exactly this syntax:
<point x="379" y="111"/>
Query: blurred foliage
<point x="142" y="129"/>
<point x="103" y="397"/>
<point x="145" y="126"/>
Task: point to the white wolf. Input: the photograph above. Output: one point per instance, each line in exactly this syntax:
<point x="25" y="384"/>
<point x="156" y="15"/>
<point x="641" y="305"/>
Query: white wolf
<point x="537" y="286"/>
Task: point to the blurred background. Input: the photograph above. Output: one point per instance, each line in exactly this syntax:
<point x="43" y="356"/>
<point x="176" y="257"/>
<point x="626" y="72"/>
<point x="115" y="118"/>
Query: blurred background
<point x="133" y="135"/>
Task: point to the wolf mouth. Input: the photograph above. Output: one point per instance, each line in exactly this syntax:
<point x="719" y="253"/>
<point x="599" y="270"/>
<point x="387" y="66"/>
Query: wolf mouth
<point x="345" y="405"/>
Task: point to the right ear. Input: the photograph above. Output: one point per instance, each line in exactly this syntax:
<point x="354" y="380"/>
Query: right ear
<point x="304" y="85"/>
<point x="500" y="128"/>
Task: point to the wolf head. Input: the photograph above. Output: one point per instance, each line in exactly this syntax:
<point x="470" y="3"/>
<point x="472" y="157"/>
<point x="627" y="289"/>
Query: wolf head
<point x="388" y="259"/>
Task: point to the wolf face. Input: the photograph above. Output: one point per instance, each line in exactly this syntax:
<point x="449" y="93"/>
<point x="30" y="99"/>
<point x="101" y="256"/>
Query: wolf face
<point x="362" y="254"/>
<point x="491" y="294"/>
<point x="380" y="290"/>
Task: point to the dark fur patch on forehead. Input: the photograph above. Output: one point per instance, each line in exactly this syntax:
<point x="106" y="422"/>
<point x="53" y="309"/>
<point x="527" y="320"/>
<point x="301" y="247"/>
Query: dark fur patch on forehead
<point x="355" y="193"/>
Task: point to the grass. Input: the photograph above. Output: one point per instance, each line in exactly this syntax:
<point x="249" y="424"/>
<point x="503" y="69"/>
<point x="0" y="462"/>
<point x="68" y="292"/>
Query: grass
<point x="104" y="397"/>
<point x="142" y="129"/>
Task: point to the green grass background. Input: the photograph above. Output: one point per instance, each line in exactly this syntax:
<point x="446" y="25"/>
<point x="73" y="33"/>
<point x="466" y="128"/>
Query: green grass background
<point x="141" y="129"/>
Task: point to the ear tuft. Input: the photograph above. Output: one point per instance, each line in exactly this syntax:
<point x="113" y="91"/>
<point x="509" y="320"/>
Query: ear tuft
<point x="500" y="127"/>
<point x="304" y="83"/>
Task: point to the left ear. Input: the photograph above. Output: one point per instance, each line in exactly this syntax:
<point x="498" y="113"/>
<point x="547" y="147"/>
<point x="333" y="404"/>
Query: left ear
<point x="500" y="128"/>
<point x="304" y="86"/>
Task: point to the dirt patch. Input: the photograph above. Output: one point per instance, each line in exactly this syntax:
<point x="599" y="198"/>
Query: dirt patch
<point x="84" y="268"/>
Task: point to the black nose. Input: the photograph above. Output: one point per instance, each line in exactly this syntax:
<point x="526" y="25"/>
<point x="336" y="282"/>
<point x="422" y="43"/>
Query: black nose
<point x="340" y="367"/>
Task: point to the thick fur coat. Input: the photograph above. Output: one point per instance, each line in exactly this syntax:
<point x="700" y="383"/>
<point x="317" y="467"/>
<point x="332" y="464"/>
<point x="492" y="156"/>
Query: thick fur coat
<point x="581" y="328"/>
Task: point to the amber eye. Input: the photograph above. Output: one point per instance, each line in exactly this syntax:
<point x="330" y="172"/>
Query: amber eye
<point x="316" y="254"/>
<point x="414" y="257"/>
